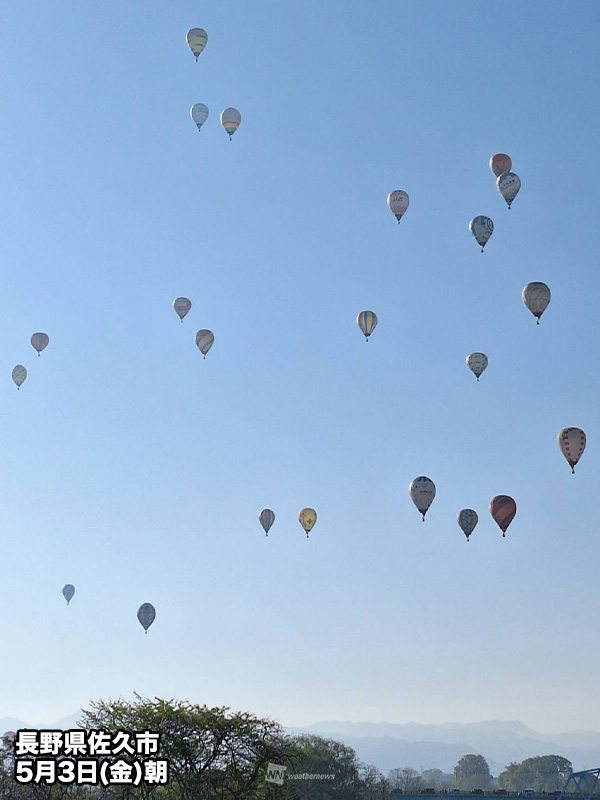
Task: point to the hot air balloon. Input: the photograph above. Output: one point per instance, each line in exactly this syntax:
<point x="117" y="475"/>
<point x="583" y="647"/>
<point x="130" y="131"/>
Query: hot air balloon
<point x="500" y="163"/>
<point x="307" y="518"/>
<point x="398" y="202"/>
<point x="68" y="591"/>
<point x="503" y="509"/>
<point x="204" y="341"/>
<point x="39" y="341"/>
<point x="536" y="297"/>
<point x="467" y="519"/>
<point x="482" y="228"/>
<point x="199" y="113"/>
<point x="422" y="492"/>
<point x="19" y="374"/>
<point x="508" y="185"/>
<point x="572" y="444"/>
<point x="230" y="120"/>
<point x="367" y="322"/>
<point x="477" y="362"/>
<point x="146" y="615"/>
<point x="266" y="519"/>
<point x="182" y="305"/>
<point x="196" y="39"/>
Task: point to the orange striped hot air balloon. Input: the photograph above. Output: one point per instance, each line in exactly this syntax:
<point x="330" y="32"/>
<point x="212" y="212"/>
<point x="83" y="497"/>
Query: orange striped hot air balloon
<point x="503" y="509"/>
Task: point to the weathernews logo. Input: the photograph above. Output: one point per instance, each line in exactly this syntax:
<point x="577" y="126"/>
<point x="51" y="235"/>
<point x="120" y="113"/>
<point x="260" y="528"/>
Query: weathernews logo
<point x="275" y="774"/>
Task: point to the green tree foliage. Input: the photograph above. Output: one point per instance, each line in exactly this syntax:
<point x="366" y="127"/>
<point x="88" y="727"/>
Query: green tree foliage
<point x="542" y="774"/>
<point x="437" y="779"/>
<point x="212" y="752"/>
<point x="472" y="772"/>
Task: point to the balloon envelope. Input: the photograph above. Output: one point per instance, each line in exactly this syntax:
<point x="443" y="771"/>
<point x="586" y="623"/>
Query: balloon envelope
<point x="199" y="113"/>
<point x="500" y="163"/>
<point x="19" y="374"/>
<point x="503" y="509"/>
<point x="68" y="592"/>
<point x="39" y="341"/>
<point x="477" y="362"/>
<point x="398" y="202"/>
<point x="266" y="519"/>
<point x="230" y="120"/>
<point x="467" y="519"/>
<point x="422" y="492"/>
<point x="572" y="443"/>
<point x="307" y="518"/>
<point x="508" y="185"/>
<point x="204" y="341"/>
<point x="536" y="296"/>
<point x="196" y="39"/>
<point x="146" y="615"/>
<point x="182" y="305"/>
<point x="367" y="322"/>
<point x="482" y="228"/>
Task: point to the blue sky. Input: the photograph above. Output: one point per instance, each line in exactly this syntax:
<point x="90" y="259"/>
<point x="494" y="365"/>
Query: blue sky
<point x="135" y="470"/>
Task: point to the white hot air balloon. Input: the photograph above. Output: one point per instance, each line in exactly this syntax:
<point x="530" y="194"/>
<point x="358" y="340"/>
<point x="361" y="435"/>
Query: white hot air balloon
<point x="422" y="492"/>
<point x="182" y="305"/>
<point x="68" y="591"/>
<point x="477" y="362"/>
<point x="19" y="374"/>
<point x="39" y="341"/>
<point x="500" y="163"/>
<point x="482" y="228"/>
<point x="467" y="519"/>
<point x="196" y="39"/>
<point x="508" y="185"/>
<point x="536" y="296"/>
<point x="367" y="322"/>
<point x="398" y="202"/>
<point x="572" y="444"/>
<point x="204" y="341"/>
<point x="146" y="615"/>
<point x="230" y="120"/>
<point x="199" y="113"/>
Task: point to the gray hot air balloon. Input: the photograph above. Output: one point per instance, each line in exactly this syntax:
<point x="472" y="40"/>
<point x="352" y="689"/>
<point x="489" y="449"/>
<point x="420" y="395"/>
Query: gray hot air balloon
<point x="204" y="341"/>
<point x="199" y="113"/>
<point x="266" y="519"/>
<point x="482" y="228"/>
<point x="19" y="374"/>
<point x="39" y="341"/>
<point x="536" y="296"/>
<point x="467" y="519"/>
<point x="508" y="185"/>
<point x="68" y="591"/>
<point x="367" y="322"/>
<point x="196" y="39"/>
<point x="146" y="615"/>
<point x="182" y="305"/>
<point x="422" y="492"/>
<point x="572" y="443"/>
<point x="477" y="362"/>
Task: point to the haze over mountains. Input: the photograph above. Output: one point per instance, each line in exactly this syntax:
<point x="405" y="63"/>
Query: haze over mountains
<point x="389" y="745"/>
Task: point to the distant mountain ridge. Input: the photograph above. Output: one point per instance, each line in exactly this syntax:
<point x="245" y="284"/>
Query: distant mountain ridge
<point x="389" y="745"/>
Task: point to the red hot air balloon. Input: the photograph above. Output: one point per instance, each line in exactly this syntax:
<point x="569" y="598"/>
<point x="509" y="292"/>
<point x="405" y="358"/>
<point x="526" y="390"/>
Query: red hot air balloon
<point x="503" y="509"/>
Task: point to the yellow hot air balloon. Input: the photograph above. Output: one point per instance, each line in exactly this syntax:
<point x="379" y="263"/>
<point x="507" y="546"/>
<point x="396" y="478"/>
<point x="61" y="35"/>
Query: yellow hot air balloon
<point x="196" y="39"/>
<point x="307" y="518"/>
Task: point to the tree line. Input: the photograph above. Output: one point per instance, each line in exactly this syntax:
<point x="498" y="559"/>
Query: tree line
<point x="216" y="754"/>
